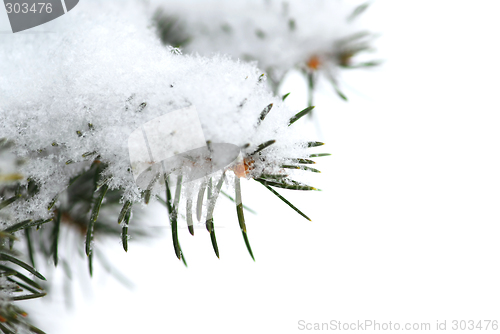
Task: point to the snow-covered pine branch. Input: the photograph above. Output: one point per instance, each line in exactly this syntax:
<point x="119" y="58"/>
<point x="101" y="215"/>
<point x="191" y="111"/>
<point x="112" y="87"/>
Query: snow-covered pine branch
<point x="72" y="98"/>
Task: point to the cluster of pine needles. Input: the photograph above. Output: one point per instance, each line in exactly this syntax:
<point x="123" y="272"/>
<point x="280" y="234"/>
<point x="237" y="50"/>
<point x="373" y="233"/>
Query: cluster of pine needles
<point x="89" y="192"/>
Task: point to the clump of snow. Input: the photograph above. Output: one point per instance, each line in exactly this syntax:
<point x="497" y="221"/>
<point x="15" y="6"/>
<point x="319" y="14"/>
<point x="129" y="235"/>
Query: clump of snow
<point x="9" y="164"/>
<point x="77" y="93"/>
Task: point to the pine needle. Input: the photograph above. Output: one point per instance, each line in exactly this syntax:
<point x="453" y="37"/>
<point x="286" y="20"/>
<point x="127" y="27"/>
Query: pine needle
<point x="25" y="224"/>
<point x="274" y="176"/>
<point x="22" y="285"/>
<point x="125" y="237"/>
<point x="147" y="192"/>
<point x="317" y="155"/>
<point x="263" y="146"/>
<point x="5" y="330"/>
<point x="124" y="211"/>
<point x="232" y="199"/>
<point x="264" y="113"/>
<point x="358" y="11"/>
<point x="9" y="201"/>
<point x="314" y="170"/>
<point x="142" y="106"/>
<point x="125" y="230"/>
<point x="91" y="265"/>
<point x="300" y="114"/>
<point x="93" y="219"/>
<point x="315" y="144"/>
<point x="102" y="182"/>
<point x="173" y="219"/>
<point x="304" y="161"/>
<point x="22" y="277"/>
<point x="52" y="202"/>
<point x="35" y="329"/>
<point x="292" y="185"/>
<point x="6" y="257"/>
<point x="284" y="200"/>
<point x="88" y="154"/>
<point x="55" y="238"/>
<point x="30" y="246"/>
<point x="241" y="217"/>
<point x="212" y="199"/>
<point x="337" y="89"/>
<point x="31" y="296"/>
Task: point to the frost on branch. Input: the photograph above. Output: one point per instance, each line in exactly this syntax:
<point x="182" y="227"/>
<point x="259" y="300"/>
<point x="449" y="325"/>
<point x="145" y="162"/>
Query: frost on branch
<point x="313" y="35"/>
<point x="71" y="100"/>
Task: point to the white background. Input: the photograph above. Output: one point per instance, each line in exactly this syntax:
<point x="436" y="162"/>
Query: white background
<point x="406" y="228"/>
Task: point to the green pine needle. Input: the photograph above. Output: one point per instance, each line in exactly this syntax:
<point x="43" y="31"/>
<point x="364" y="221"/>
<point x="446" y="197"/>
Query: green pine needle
<point x="35" y="330"/>
<point x="22" y="285"/>
<point x="284" y="200"/>
<point x="30" y="246"/>
<point x="173" y="219"/>
<point x="315" y="144"/>
<point x="337" y="90"/>
<point x="102" y="182"/>
<point x="125" y="230"/>
<point x="22" y="277"/>
<point x="142" y="106"/>
<point x="88" y="154"/>
<point x="9" y="201"/>
<point x="314" y="170"/>
<point x="124" y="211"/>
<point x="31" y="296"/>
<point x="5" y="330"/>
<point x="25" y="224"/>
<point x="232" y="199"/>
<point x="6" y="257"/>
<point x="241" y="217"/>
<point x="212" y="199"/>
<point x="52" y="202"/>
<point x="317" y="155"/>
<point x="93" y="219"/>
<point x="358" y="11"/>
<point x="305" y="161"/>
<point x="292" y="185"/>
<point x="263" y="146"/>
<point x="365" y="64"/>
<point x="147" y="192"/>
<point x="125" y="237"/>
<point x="91" y="265"/>
<point x="264" y="113"/>
<point x="55" y="240"/>
<point x="183" y="259"/>
<point x="210" y="228"/>
<point x="300" y="114"/>
<point x="273" y="176"/>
